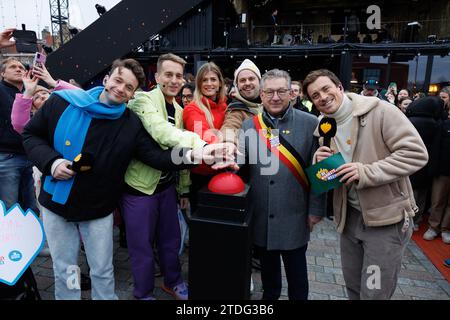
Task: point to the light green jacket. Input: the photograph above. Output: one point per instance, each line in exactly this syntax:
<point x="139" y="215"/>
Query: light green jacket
<point x="151" y="109"/>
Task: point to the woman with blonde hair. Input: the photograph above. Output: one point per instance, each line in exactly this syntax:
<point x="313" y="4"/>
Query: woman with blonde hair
<point x="209" y="104"/>
<point x="204" y="116"/>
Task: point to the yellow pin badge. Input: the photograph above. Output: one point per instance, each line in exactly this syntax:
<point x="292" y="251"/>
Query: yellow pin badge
<point x="325" y="127"/>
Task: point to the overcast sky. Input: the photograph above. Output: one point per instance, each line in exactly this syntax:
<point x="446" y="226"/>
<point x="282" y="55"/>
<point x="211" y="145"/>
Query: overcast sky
<point x="36" y="13"/>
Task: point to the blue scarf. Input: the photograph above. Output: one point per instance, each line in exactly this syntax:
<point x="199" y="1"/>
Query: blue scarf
<point x="71" y="131"/>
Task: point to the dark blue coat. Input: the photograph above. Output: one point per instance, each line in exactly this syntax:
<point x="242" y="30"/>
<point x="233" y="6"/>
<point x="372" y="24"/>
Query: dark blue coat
<point x="10" y="140"/>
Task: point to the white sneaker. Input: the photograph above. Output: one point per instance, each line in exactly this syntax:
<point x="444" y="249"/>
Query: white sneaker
<point x="446" y="237"/>
<point x="430" y="234"/>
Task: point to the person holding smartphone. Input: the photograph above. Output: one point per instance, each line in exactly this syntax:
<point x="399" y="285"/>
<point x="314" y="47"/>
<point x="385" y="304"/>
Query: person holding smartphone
<point x="16" y="181"/>
<point x="34" y="95"/>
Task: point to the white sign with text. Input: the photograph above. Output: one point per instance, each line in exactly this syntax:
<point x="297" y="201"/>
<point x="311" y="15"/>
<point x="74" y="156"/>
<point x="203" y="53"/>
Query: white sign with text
<point x="21" y="239"/>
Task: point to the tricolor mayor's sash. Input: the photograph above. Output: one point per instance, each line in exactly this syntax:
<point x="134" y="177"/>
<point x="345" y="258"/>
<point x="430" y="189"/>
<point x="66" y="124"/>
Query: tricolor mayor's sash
<point x="283" y="150"/>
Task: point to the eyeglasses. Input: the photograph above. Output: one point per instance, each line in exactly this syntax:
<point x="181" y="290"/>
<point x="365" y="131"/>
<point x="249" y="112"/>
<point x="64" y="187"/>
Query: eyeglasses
<point x="282" y="93"/>
<point x="187" y="97"/>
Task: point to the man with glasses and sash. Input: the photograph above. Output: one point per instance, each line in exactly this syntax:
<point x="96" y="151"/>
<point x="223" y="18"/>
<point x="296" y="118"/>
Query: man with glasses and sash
<point x="278" y="145"/>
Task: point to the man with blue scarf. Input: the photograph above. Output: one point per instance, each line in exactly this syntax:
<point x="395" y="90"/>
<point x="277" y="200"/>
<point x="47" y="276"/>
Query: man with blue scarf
<point x="96" y="125"/>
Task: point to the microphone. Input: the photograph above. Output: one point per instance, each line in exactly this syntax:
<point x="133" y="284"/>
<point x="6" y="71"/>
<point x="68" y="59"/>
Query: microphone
<point x="327" y="130"/>
<point x="82" y="162"/>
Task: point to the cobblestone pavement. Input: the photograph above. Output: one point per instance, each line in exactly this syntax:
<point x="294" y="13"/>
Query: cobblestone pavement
<point x="419" y="279"/>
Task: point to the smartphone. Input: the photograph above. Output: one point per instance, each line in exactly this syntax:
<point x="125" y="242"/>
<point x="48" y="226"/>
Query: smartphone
<point x="39" y="59"/>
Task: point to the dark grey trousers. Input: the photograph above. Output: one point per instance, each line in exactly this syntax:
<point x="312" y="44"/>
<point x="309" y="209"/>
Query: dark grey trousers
<point x="371" y="257"/>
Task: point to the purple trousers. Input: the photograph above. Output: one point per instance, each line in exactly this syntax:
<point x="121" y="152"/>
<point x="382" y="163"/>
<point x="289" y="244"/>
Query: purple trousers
<point x="148" y="220"/>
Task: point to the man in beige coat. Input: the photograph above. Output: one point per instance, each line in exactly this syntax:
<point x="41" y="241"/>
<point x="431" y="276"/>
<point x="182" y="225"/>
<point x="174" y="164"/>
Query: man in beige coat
<point x="374" y="206"/>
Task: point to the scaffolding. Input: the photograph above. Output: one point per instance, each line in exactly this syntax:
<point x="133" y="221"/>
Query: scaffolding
<point x="59" y="15"/>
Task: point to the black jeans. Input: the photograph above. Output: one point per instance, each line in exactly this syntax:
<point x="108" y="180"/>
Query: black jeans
<point x="296" y="273"/>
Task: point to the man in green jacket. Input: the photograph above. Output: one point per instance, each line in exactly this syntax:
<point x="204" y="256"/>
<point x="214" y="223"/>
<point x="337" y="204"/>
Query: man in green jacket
<point x="149" y="204"/>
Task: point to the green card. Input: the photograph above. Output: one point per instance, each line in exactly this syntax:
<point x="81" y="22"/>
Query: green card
<point x="322" y="175"/>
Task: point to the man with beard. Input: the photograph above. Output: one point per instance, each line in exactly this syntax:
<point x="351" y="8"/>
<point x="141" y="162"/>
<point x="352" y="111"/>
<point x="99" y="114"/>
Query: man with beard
<point x="246" y="102"/>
